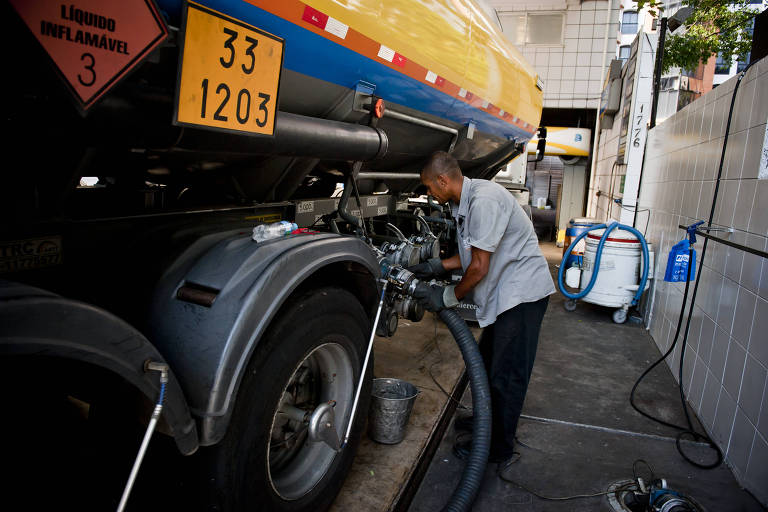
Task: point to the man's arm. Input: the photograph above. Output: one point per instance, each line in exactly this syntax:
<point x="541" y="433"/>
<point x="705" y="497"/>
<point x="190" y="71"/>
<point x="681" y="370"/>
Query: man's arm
<point x="452" y="263"/>
<point x="476" y="271"/>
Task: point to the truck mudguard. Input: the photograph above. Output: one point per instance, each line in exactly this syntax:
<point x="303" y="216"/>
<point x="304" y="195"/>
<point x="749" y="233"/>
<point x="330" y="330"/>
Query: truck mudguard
<point x="34" y="322"/>
<point x="213" y="305"/>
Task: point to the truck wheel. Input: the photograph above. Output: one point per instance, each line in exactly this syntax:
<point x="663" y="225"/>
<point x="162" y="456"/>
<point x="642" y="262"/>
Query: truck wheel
<point x="312" y="355"/>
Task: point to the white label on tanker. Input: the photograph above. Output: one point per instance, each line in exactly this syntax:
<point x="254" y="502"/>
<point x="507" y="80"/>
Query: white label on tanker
<point x="382" y="210"/>
<point x="386" y="53"/>
<point x="431" y="76"/>
<point x="463" y="93"/>
<point x="336" y="28"/>
<point x="371" y="201"/>
<point x="305" y="207"/>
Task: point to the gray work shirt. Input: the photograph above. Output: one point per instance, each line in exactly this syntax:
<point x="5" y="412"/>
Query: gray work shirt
<point x="488" y="217"/>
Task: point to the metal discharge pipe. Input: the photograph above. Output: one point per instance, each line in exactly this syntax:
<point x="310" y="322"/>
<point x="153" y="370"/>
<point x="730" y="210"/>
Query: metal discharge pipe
<point x="297" y="135"/>
<point x="145" y="124"/>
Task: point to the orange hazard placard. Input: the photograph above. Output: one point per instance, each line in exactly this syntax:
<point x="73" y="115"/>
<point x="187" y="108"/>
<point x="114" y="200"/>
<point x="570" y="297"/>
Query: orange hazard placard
<point x="229" y="73"/>
<point x="94" y="43"/>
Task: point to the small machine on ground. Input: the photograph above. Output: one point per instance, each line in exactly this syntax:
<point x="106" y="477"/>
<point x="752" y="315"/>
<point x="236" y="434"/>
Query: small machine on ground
<point x="616" y="269"/>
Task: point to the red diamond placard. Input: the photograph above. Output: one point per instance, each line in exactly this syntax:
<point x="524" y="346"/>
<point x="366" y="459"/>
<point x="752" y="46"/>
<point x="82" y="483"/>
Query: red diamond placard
<point x="94" y="43"/>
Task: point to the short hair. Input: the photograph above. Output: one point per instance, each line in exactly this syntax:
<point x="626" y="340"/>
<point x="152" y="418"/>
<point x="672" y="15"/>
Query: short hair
<point x="441" y="163"/>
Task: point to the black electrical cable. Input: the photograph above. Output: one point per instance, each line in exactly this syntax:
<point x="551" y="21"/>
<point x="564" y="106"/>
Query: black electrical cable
<point x="690" y="430"/>
<point x="620" y="489"/>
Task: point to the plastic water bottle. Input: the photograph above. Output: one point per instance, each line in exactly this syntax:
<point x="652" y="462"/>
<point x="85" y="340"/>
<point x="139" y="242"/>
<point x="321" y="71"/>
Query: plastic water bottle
<point x="275" y="230"/>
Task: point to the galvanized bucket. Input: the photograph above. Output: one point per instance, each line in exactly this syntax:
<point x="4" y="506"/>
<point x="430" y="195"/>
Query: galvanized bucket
<point x="391" y="405"/>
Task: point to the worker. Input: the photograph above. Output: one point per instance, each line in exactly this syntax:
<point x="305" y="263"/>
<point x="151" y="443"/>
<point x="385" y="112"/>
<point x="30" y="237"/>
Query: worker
<point x="509" y="280"/>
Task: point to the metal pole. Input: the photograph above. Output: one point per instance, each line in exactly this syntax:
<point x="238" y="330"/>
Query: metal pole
<point x="596" y="135"/>
<point x="365" y="368"/>
<point x="163" y="369"/>
<point x="657" y="70"/>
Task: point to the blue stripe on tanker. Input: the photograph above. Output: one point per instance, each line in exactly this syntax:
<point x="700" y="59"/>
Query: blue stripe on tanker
<point x="308" y="53"/>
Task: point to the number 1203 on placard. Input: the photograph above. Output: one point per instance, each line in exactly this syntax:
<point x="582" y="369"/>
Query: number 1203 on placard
<point x="230" y="74"/>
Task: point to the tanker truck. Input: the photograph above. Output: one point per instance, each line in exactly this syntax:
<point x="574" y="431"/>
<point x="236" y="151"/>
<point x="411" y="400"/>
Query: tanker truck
<point x="144" y="142"/>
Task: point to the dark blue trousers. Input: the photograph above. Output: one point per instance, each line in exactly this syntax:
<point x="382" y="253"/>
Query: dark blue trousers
<point x="509" y="347"/>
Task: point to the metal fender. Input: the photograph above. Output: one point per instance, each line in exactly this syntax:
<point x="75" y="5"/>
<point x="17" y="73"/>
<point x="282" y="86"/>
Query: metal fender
<point x="212" y="307"/>
<point x="34" y="322"/>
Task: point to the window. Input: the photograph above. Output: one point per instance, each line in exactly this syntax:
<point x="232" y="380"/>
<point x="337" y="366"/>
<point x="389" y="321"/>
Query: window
<point x="533" y="28"/>
<point x="544" y="29"/>
<point x="741" y="64"/>
<point x="722" y="67"/>
<point x="624" y="52"/>
<point x="513" y="27"/>
<point x="629" y="22"/>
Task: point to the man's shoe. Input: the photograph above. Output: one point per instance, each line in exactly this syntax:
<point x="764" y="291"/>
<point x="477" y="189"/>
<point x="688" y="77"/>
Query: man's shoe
<point x="463" y="445"/>
<point x="506" y="464"/>
<point x="464" y="423"/>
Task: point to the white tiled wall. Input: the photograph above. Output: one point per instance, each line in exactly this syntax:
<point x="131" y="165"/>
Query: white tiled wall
<point x="571" y="71"/>
<point x="726" y="356"/>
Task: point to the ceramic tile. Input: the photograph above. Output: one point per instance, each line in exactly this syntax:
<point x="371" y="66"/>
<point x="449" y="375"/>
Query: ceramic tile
<point x="709" y="400"/>
<point x="762" y="422"/>
<point x="734" y="256"/>
<point x="719" y="353"/>
<point x="752" y="150"/>
<point x="726" y="410"/>
<point x="734" y="368"/>
<point x="757" y="470"/>
<point x="741" y="442"/>
<point x="750" y="271"/>
<point x="744" y="203"/>
<point x="758" y="222"/>
<point x="752" y="386"/>
<point x="734" y="156"/>
<point x="706" y="337"/>
<point x="758" y="341"/>
<point x="697" y="383"/>
<point x="727" y="305"/>
<point x="760" y="111"/>
<point x="746" y="104"/>
<point x="745" y="311"/>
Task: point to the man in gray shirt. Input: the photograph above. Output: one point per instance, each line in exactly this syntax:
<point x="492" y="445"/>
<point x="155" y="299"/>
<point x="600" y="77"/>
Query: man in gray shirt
<point x="508" y="278"/>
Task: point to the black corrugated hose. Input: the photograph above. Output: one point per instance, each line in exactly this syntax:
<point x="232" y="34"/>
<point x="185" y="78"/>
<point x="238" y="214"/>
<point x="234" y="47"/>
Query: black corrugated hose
<point x="465" y="493"/>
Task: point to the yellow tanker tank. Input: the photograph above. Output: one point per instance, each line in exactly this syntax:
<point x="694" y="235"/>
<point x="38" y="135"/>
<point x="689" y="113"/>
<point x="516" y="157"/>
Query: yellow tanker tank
<point x="447" y="75"/>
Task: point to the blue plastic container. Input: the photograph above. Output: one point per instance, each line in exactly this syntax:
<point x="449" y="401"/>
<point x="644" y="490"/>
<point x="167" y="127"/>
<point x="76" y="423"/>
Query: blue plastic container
<point x="576" y="227"/>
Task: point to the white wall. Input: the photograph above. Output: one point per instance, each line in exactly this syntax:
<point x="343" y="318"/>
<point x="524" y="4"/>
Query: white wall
<point x="571" y="71"/>
<point x="726" y="360"/>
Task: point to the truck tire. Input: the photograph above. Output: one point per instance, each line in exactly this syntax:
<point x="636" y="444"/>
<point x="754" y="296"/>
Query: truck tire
<point x="312" y="354"/>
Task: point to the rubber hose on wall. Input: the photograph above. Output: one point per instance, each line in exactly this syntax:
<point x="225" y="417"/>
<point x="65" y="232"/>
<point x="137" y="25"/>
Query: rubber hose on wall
<point x="465" y="493"/>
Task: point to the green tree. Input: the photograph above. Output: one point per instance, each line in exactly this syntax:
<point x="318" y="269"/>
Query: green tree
<point x="714" y="27"/>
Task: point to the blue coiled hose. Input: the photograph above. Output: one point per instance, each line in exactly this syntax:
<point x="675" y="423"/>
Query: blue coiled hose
<point x="599" y="255"/>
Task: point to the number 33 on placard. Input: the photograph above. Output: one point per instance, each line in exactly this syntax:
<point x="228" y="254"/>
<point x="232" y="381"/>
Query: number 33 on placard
<point x="229" y="75"/>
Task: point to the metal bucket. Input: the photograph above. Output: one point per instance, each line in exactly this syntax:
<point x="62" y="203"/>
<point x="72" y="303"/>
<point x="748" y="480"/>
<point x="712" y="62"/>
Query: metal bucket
<point x="391" y="405"/>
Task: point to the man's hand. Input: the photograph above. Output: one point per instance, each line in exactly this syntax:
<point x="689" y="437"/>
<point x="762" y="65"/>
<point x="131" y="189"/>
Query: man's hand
<point x="433" y="267"/>
<point x="434" y="297"/>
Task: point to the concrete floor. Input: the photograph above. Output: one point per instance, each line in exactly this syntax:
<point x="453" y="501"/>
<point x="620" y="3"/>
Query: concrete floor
<point x="579" y="433"/>
<point x="417" y="353"/>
